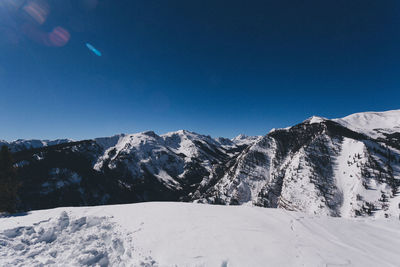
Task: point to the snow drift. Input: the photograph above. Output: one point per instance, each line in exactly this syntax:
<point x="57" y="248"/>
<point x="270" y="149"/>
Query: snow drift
<point x="185" y="234"/>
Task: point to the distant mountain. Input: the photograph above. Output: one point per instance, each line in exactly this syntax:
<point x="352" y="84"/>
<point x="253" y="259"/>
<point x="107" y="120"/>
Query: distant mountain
<point x="244" y="139"/>
<point x="121" y="169"/>
<point x="20" y="144"/>
<point x="342" y="167"/>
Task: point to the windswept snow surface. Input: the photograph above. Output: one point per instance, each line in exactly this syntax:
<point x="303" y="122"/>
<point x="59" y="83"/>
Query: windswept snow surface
<point x="187" y="234"/>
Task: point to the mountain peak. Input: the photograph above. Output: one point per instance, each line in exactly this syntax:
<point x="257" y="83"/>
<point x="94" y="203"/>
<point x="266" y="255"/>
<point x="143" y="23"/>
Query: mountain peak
<point x="150" y="134"/>
<point x="182" y="132"/>
<point x="240" y="137"/>
<point x="243" y="139"/>
<point x="315" y="119"/>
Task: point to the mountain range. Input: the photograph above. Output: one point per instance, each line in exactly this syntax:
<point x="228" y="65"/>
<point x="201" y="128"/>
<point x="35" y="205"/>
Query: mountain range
<point x="345" y="167"/>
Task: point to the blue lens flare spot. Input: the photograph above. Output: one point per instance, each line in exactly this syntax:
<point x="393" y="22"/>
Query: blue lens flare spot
<point x="93" y="49"/>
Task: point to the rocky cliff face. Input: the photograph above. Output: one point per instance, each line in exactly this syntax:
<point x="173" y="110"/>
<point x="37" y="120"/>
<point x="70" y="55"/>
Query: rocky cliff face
<point x="344" y="167"/>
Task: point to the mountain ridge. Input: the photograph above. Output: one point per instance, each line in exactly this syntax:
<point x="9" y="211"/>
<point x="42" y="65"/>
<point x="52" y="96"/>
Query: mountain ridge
<point x="318" y="166"/>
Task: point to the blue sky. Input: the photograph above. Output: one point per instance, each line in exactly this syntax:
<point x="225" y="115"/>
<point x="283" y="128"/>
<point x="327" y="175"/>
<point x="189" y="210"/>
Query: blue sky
<point x="214" y="67"/>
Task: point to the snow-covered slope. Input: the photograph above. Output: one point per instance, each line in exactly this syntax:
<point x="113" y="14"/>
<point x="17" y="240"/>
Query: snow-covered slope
<point x="374" y="124"/>
<point x="184" y="234"/>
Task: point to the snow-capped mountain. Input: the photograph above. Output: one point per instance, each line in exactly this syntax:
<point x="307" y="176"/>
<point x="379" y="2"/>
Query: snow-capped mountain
<point x="342" y="167"/>
<point x="20" y="144"/>
<point x="374" y="124"/>
<point x="178" y="160"/>
<point x="319" y="166"/>
<point x="121" y="169"/>
<point x="242" y="139"/>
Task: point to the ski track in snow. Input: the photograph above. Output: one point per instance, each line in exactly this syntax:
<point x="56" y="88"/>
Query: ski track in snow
<point x="187" y="234"/>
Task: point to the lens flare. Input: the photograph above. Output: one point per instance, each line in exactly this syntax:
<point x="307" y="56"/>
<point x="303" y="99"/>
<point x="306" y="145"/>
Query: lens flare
<point x="93" y="49"/>
<point x="37" y="10"/>
<point x="59" y="36"/>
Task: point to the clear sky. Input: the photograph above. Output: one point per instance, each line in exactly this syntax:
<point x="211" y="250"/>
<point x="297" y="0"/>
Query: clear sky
<point x="213" y="67"/>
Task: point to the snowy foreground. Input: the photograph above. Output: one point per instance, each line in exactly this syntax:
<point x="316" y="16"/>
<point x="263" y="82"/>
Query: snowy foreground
<point x="185" y="234"/>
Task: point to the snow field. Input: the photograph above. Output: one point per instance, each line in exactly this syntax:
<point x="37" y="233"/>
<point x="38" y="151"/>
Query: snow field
<point x="187" y="234"/>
